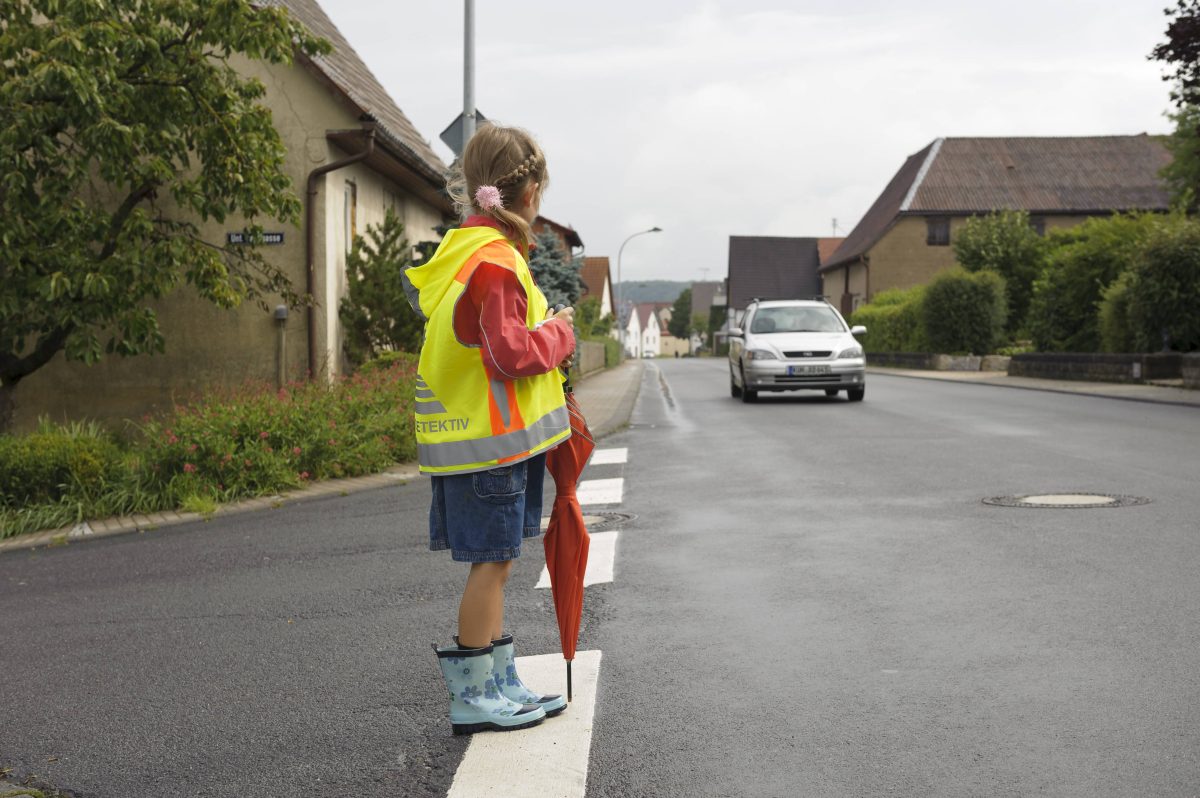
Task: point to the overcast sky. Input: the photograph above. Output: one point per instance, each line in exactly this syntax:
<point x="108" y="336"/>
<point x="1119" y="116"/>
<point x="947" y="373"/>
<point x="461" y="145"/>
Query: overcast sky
<point x="756" y="117"/>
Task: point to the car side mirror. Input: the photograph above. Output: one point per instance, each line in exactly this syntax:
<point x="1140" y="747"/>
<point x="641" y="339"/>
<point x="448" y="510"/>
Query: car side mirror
<point x="736" y="332"/>
<point x="858" y="329"/>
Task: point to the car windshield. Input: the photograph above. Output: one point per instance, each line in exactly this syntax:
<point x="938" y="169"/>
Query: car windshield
<point x="796" y="319"/>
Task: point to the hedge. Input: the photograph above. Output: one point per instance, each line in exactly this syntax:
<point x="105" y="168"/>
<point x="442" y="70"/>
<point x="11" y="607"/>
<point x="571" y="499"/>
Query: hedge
<point x="965" y="313"/>
<point x="893" y="322"/>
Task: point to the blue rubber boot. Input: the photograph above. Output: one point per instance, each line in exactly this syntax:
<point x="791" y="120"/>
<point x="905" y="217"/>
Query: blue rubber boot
<point x="510" y="683"/>
<point x="476" y="704"/>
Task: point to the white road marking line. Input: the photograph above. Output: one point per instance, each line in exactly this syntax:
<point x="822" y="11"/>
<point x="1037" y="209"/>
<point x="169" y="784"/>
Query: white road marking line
<point x="550" y="759"/>
<point x="601" y="491"/>
<point x="602" y="552"/>
<point x="610" y="456"/>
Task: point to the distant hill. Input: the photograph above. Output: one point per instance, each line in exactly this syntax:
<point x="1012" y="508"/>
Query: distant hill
<point x="652" y="290"/>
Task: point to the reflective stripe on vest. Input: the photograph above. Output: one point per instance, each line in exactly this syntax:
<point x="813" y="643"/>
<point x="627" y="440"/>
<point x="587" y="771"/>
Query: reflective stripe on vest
<point x="542" y="434"/>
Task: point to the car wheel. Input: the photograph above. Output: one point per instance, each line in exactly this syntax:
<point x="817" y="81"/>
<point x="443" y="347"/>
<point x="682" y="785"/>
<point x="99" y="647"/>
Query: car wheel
<point x="831" y="391"/>
<point x="748" y="395"/>
<point x="734" y="390"/>
<point x="856" y="394"/>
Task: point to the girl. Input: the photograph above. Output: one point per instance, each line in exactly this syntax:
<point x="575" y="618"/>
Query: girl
<point x="489" y="405"/>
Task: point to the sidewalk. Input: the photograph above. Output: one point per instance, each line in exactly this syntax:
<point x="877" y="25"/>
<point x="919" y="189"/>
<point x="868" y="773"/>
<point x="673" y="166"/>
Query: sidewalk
<point x="1160" y="394"/>
<point x="607" y="399"/>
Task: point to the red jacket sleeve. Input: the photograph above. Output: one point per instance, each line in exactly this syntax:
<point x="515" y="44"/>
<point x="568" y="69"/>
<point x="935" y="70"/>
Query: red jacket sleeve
<point x="494" y="320"/>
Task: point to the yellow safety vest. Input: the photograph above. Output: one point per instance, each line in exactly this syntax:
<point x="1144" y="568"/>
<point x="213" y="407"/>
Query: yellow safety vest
<point x="465" y="421"/>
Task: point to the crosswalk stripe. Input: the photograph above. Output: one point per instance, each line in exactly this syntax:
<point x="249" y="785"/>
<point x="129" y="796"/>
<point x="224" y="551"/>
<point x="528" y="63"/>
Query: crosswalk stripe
<point x="602" y="552"/>
<point x="610" y="456"/>
<point x="549" y="760"/>
<point x="601" y="491"/>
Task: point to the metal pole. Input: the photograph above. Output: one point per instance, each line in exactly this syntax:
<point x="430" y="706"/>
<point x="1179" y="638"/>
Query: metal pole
<point x="620" y="286"/>
<point x="469" y="73"/>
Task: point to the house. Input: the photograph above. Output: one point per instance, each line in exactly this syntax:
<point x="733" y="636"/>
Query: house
<point x="651" y="329"/>
<point x="668" y="344"/>
<point x="597" y="283"/>
<point x="905" y="237"/>
<point x="567" y="236"/>
<point x="771" y="267"/>
<point x="631" y="328"/>
<point x="351" y="155"/>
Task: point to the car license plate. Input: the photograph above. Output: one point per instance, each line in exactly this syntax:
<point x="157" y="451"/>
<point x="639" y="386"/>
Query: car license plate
<point x="796" y="371"/>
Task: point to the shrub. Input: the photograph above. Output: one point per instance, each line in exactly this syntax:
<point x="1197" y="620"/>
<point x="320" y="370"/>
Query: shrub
<point x="893" y="321"/>
<point x="375" y="311"/>
<point x="964" y="312"/>
<point x="228" y="444"/>
<point x="55" y="462"/>
<point x="1082" y="262"/>
<point x="1113" y="316"/>
<point x="1164" y="291"/>
<point x="256" y="440"/>
<point x="1004" y="242"/>
<point x="612" y="353"/>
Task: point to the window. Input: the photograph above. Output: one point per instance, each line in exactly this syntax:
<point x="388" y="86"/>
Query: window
<point x="1038" y="223"/>
<point x="351" y="220"/>
<point x="937" y="231"/>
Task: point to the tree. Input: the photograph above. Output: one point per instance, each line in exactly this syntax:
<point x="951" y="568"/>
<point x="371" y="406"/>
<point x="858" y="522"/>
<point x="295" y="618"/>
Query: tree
<point x="1181" y="54"/>
<point x="1164" y="290"/>
<point x="1004" y="242"/>
<point x="589" y="321"/>
<point x="121" y="131"/>
<point x="376" y="312"/>
<point x="554" y="270"/>
<point x="680" y="324"/>
<point x="1080" y="264"/>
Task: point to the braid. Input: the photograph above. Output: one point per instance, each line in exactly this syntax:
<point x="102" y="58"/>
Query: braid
<point x="522" y="171"/>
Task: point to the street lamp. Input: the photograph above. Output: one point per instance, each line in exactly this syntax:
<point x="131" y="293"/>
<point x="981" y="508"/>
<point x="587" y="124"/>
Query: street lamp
<point x="620" y="286"/>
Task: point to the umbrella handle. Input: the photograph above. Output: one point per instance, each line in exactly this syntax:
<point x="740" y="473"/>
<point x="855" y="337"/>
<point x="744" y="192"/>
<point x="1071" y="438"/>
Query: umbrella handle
<point x="568" y="681"/>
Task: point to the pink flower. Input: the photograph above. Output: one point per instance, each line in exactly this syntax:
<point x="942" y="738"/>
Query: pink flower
<point x="262" y="436"/>
<point x="296" y="450"/>
<point x="192" y="448"/>
<point x="188" y="468"/>
<point x="303" y="475"/>
<point x="488" y="197"/>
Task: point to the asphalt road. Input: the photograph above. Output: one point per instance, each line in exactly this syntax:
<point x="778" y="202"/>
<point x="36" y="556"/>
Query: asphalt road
<point x="812" y="600"/>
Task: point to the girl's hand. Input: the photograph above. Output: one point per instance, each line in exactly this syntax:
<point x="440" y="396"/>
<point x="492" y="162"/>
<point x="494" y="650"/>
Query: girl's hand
<point x="566" y="314"/>
<point x="566" y="364"/>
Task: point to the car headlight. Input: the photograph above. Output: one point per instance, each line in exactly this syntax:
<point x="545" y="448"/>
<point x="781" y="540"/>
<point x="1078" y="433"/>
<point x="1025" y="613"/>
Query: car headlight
<point x="854" y="351"/>
<point x="761" y="354"/>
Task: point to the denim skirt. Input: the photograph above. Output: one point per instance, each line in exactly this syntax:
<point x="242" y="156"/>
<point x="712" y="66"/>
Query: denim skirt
<point x="484" y="516"/>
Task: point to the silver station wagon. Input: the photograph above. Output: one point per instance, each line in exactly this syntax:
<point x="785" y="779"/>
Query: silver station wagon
<point x="792" y="345"/>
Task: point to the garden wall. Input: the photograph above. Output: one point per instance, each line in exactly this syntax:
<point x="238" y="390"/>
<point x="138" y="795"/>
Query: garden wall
<point x="1190" y="368"/>
<point x="1097" y="367"/>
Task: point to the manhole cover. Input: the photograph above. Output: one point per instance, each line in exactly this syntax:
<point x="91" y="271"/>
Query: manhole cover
<point x="598" y="521"/>
<point x="1060" y="501"/>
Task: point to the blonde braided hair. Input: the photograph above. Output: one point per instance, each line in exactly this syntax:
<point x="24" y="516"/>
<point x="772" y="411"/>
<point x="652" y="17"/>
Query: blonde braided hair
<point x="507" y="158"/>
<point x="527" y="167"/>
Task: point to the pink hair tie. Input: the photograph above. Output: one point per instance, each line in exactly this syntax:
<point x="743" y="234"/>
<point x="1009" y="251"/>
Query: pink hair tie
<point x="488" y="197"/>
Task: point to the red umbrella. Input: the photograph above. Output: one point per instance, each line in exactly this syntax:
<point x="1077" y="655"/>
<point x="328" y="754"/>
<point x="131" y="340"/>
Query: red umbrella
<point x="567" y="539"/>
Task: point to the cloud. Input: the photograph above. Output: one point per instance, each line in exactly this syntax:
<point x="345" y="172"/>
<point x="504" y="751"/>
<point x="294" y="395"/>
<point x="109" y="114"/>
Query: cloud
<point x="727" y="118"/>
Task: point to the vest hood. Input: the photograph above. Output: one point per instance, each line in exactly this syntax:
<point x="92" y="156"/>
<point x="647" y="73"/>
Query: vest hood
<point x="428" y="284"/>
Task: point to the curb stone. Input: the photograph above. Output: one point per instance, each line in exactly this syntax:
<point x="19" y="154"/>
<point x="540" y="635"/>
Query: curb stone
<point x="108" y="527"/>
